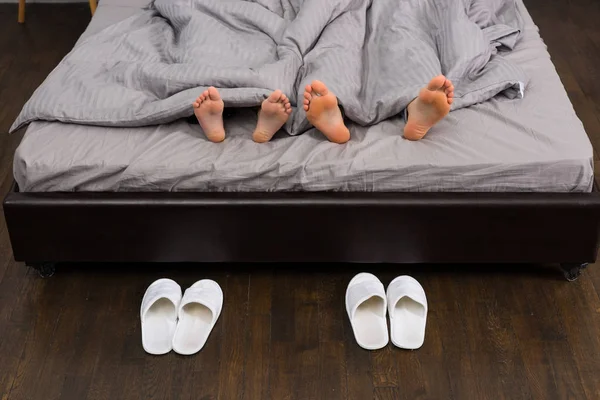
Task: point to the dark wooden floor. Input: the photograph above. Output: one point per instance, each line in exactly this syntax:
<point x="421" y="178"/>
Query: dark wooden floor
<point x="493" y="332"/>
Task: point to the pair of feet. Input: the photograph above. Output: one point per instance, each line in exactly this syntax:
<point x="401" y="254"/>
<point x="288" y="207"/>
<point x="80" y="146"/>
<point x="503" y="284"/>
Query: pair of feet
<point x="323" y="112"/>
<point x="274" y="112"/>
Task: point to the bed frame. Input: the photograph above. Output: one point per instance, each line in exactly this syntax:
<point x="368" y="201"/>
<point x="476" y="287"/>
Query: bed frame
<point x="48" y="228"/>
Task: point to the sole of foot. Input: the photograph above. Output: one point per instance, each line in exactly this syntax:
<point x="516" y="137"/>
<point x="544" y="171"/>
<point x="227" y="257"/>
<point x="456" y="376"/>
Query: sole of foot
<point x="274" y="112"/>
<point x="429" y="108"/>
<point x="208" y="108"/>
<point x="323" y="112"/>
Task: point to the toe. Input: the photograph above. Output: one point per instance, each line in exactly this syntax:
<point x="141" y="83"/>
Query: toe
<point x="307" y="96"/>
<point x="306" y="102"/>
<point x="305" y="107"/>
<point x="274" y="97"/>
<point x="319" y="87"/>
<point x="213" y="93"/>
<point x="436" y="83"/>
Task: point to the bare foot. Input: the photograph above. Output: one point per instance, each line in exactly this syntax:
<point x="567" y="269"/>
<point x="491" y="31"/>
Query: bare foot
<point x="323" y="112"/>
<point x="429" y="108"/>
<point x="273" y="113"/>
<point x="208" y="108"/>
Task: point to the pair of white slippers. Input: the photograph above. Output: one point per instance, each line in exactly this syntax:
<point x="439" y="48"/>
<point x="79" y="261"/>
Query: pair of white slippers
<point x="171" y="321"/>
<point x="367" y="303"/>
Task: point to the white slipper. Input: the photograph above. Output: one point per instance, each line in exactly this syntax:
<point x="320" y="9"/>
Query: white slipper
<point x="198" y="312"/>
<point x="407" y="305"/>
<point x="158" y="314"/>
<point x="366" y="308"/>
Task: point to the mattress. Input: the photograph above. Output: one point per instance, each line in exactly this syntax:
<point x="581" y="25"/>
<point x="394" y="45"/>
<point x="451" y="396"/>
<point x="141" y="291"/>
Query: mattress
<point x="534" y="144"/>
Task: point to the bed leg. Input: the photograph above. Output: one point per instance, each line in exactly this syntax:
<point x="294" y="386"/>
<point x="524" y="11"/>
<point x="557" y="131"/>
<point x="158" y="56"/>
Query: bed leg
<point x="93" y="6"/>
<point x="572" y="271"/>
<point x="45" y="269"/>
<point x="21" y="14"/>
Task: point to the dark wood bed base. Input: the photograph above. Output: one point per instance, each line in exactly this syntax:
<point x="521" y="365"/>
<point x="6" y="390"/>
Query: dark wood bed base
<point x="46" y="228"/>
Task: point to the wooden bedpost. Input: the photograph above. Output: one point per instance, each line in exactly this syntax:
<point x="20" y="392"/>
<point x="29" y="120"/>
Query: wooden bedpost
<point x="93" y="5"/>
<point x="22" y="11"/>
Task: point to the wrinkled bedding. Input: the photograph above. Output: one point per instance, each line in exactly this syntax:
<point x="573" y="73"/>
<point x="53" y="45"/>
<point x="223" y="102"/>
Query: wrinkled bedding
<point x="533" y="144"/>
<point x="374" y="55"/>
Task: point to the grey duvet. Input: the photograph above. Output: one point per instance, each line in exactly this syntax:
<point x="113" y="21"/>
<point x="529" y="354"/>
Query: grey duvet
<point x="374" y="55"/>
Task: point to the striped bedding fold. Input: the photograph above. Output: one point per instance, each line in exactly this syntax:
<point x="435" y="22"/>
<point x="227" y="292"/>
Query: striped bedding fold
<point x="374" y="55"/>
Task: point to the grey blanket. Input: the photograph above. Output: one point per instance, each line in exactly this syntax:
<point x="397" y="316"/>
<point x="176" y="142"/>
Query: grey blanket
<point x="374" y="55"/>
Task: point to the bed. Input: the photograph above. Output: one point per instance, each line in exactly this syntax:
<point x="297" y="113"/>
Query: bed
<point x="499" y="181"/>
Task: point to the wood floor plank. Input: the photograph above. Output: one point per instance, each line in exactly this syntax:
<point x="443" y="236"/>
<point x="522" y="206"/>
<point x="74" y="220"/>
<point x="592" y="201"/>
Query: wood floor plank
<point x="107" y="367"/>
<point x="332" y="308"/>
<point x="465" y="352"/>
<point x="306" y="318"/>
<point x="284" y="355"/>
<point x="566" y="375"/>
<point x="332" y="378"/>
<point x="22" y="340"/>
<point x="537" y="328"/>
<point x="232" y="341"/>
<point x="503" y="341"/>
<point x="155" y="384"/>
<point x="88" y="342"/>
<point x="258" y="359"/>
<point x="387" y="393"/>
<point x="258" y="339"/>
<point x="582" y="333"/>
<point x="283" y="308"/>
<point x="48" y="346"/>
<point x="127" y="375"/>
<point x="385" y="372"/>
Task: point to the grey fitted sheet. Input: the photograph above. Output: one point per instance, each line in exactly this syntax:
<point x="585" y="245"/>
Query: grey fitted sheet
<point x="534" y="144"/>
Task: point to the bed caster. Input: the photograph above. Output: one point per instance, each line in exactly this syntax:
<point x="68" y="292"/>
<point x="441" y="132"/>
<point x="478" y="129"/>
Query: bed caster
<point x="572" y="271"/>
<point x="45" y="269"/>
